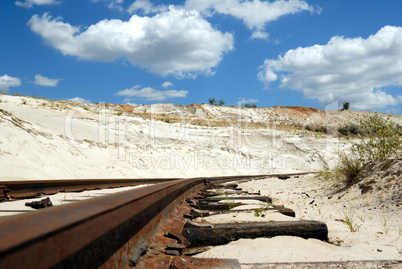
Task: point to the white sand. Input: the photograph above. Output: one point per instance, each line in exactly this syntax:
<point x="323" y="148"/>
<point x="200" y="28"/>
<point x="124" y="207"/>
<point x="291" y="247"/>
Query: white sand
<point x="373" y="241"/>
<point x="42" y="139"/>
<point x="60" y="140"/>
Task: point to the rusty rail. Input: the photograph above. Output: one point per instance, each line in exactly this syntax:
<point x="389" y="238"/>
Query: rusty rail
<point x="25" y="189"/>
<point x="100" y="232"/>
<point x="30" y="188"/>
<point x="107" y="232"/>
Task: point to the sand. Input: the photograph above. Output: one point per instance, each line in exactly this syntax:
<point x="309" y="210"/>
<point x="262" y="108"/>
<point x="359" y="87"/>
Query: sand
<point x="315" y="199"/>
<point x="41" y="139"/>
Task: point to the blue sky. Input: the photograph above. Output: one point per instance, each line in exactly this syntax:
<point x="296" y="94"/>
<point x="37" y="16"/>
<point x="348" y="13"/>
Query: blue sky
<point x="296" y="53"/>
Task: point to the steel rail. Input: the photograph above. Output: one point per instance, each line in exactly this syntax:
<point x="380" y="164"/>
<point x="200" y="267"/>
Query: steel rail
<point x="100" y="232"/>
<point x="30" y="188"/>
<point x="103" y="232"/>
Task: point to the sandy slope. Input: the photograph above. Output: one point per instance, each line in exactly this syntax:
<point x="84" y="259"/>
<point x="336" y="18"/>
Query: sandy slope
<point x="53" y="139"/>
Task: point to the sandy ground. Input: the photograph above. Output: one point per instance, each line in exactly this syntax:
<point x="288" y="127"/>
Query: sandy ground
<point x="379" y="236"/>
<point x="41" y="139"/>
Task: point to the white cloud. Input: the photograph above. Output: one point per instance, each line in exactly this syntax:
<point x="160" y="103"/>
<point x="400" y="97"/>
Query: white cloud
<point x="44" y="81"/>
<point x="146" y="6"/>
<point x="245" y="101"/>
<point x="259" y="35"/>
<point x="167" y="84"/>
<point x="116" y="5"/>
<point x="7" y="81"/>
<point x="80" y="100"/>
<point x="31" y="3"/>
<point x="151" y="94"/>
<point x="355" y="70"/>
<point x="176" y="42"/>
<point x="255" y="14"/>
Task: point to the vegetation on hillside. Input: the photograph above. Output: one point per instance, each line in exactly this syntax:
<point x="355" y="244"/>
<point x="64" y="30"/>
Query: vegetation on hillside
<point x="380" y="139"/>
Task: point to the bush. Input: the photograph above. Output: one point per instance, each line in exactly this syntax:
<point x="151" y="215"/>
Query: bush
<point x="383" y="139"/>
<point x="381" y="143"/>
<point x="308" y="128"/>
<point x="322" y="129"/>
<point x="212" y="101"/>
<point x="343" y="130"/>
<point x="250" y="105"/>
<point x="399" y="128"/>
<point x="354" y="129"/>
<point x="346" y="106"/>
<point x="348" y="168"/>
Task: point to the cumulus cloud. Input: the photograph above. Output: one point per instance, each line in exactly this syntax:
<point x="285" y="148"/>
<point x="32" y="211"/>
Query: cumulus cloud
<point x="7" y="81"/>
<point x="44" y="81"/>
<point x="255" y="14"/>
<point x="146" y="6"/>
<point x="355" y="70"/>
<point x="167" y="84"/>
<point x="31" y="3"/>
<point x="177" y="42"/>
<point x="80" y="100"/>
<point x="151" y="94"/>
<point x="259" y="35"/>
<point x="116" y="5"/>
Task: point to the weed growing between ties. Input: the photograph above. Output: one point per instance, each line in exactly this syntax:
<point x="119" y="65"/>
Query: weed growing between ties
<point x="259" y="212"/>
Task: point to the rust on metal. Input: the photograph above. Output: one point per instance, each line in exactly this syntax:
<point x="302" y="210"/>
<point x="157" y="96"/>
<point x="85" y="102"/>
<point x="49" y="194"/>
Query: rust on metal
<point x="40" y="204"/>
<point x="99" y="232"/>
<point x="3" y="192"/>
<point x="26" y="189"/>
<point x="142" y="228"/>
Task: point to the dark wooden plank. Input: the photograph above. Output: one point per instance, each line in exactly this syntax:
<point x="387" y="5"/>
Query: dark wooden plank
<point x="224" y="233"/>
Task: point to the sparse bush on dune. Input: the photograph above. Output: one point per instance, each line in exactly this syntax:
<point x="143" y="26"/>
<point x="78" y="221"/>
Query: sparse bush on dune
<point x="382" y="141"/>
<point x="354" y="129"/>
<point x="343" y="130"/>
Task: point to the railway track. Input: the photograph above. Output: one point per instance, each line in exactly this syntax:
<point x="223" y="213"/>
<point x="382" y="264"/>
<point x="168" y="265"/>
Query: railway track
<point x="28" y="189"/>
<point x="150" y="227"/>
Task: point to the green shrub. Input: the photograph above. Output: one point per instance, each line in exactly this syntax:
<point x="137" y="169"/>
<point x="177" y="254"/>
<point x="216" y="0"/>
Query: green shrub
<point x="212" y="101"/>
<point x="348" y="168"/>
<point x="399" y="128"/>
<point x="354" y="129"/>
<point x="383" y="139"/>
<point x="346" y="106"/>
<point x="252" y="105"/>
<point x="382" y="142"/>
<point x="322" y="129"/>
<point x="343" y="130"/>
<point x="308" y="128"/>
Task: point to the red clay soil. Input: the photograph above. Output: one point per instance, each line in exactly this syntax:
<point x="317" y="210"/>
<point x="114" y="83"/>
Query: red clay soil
<point x="301" y="112"/>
